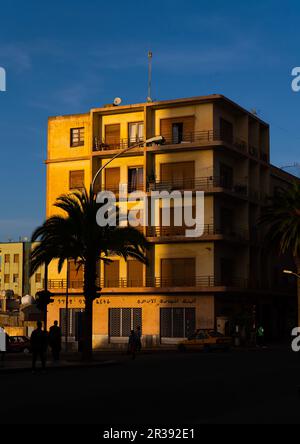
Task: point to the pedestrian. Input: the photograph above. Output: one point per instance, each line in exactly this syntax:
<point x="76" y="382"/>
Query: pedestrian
<point x="39" y="342"/>
<point x="4" y="340"/>
<point x="139" y="339"/>
<point x="55" y="341"/>
<point x="260" y="336"/>
<point x="132" y="343"/>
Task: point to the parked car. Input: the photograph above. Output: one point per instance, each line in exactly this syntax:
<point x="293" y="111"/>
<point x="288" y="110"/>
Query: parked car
<point x="18" y="344"/>
<point x="206" y="340"/>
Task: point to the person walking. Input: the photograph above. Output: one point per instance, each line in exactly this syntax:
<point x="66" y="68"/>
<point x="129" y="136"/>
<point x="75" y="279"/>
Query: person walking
<point x="132" y="344"/>
<point x="139" y="339"/>
<point x="39" y="342"/>
<point x="55" y="341"/>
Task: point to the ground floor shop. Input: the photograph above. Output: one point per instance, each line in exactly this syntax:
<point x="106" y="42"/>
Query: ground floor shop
<point x="167" y="319"/>
<point x="162" y="319"/>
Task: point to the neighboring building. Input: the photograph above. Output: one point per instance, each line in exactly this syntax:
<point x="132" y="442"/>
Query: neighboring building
<point x="14" y="270"/>
<point x="223" y="278"/>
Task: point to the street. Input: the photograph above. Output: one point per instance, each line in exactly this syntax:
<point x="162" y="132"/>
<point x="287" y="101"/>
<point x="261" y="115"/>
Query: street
<point x="161" y="388"/>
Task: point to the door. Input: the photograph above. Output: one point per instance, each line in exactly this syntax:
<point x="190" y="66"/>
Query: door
<point x="112" y="136"/>
<point x="112" y="274"/>
<point x="178" y="175"/>
<point x="178" y="272"/>
<point x="112" y="179"/>
<point x="135" y="271"/>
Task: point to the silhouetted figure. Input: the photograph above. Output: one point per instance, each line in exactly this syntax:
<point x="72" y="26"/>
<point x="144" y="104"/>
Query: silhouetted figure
<point x="55" y="341"/>
<point x="139" y="339"/>
<point x="39" y="341"/>
<point x="132" y="343"/>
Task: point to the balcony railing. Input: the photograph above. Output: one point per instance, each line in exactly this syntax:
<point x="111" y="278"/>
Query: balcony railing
<point x="208" y="230"/>
<point x="201" y="137"/>
<point x="156" y="282"/>
<point x="198" y="184"/>
<point x="117" y="144"/>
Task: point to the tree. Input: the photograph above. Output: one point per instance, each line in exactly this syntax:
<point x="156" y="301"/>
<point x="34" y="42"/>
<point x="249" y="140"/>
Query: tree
<point x="282" y="219"/>
<point x="77" y="236"/>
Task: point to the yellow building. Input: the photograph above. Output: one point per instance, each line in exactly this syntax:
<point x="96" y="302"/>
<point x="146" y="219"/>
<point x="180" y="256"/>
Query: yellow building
<point x="210" y="144"/>
<point x="14" y="269"/>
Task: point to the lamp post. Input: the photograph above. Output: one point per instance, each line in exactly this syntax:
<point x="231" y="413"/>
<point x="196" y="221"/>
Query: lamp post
<point x="153" y="140"/>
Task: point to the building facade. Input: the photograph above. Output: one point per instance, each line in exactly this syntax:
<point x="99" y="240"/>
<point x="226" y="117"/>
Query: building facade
<point x="14" y="270"/>
<point x="218" y="280"/>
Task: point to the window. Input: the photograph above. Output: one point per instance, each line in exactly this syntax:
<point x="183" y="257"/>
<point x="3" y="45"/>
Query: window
<point x="38" y="278"/>
<point x="76" y="179"/>
<point x="16" y="258"/>
<point x="75" y="275"/>
<point x="134" y="273"/>
<point x="74" y="320"/>
<point x="226" y="176"/>
<point x="178" y="175"/>
<point x="226" y="130"/>
<point x="112" y="179"/>
<point x="227" y="220"/>
<point x="227" y="267"/>
<point x="112" y="274"/>
<point x="178" y="130"/>
<point x="15" y="278"/>
<point x="122" y="320"/>
<point x="77" y="137"/>
<point x="112" y="136"/>
<point x="135" y="179"/>
<point x="178" y="272"/>
<point x="7" y="258"/>
<point x="177" y="322"/>
<point x="6" y="279"/>
<point x="135" y="132"/>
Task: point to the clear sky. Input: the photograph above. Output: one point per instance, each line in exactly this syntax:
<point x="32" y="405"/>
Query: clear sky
<point x="68" y="56"/>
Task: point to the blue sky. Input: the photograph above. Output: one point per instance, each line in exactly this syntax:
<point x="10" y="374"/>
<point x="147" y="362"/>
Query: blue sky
<point x="68" y="56"/>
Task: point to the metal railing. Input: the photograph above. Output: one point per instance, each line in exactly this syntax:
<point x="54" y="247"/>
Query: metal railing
<point x="155" y="282"/>
<point x="198" y="184"/>
<point x="116" y="144"/>
<point x="208" y="230"/>
<point x="202" y="136"/>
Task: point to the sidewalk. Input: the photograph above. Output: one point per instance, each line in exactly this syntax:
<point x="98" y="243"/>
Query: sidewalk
<point x="19" y="366"/>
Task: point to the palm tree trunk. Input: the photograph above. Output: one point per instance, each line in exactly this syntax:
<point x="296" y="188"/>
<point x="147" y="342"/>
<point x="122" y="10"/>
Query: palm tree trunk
<point x="297" y="261"/>
<point x="90" y="295"/>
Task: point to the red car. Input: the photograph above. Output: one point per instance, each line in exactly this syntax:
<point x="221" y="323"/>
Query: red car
<point x="18" y="344"/>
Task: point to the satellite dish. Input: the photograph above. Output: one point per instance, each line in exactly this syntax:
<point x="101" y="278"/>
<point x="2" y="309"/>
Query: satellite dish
<point x="117" y="101"/>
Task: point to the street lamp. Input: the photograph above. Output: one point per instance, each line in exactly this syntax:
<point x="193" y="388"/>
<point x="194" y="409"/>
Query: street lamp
<point x="291" y="273"/>
<point x="153" y="140"/>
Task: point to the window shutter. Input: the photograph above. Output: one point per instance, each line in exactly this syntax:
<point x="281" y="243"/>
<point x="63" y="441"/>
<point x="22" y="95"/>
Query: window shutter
<point x="112" y="135"/>
<point x="112" y="274"/>
<point x="76" y="179"/>
<point x="112" y="179"/>
<point x="134" y="273"/>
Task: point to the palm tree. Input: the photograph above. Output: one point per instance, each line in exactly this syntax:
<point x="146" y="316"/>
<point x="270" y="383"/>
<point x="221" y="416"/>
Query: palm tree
<point x="77" y="236"/>
<point x="282" y="219"/>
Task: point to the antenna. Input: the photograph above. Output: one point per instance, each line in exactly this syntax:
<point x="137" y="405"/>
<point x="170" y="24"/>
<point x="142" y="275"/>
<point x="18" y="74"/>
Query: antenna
<point x="149" y="99"/>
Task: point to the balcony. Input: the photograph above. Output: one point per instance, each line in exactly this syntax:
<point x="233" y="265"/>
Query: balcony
<point x="118" y="144"/>
<point x="196" y="137"/>
<point x="207" y="184"/>
<point x="210" y="231"/>
<point x="192" y="282"/>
